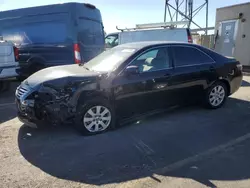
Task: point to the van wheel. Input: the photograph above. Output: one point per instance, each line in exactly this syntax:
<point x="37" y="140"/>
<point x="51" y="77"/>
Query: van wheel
<point x="216" y="95"/>
<point x="96" y="117"/>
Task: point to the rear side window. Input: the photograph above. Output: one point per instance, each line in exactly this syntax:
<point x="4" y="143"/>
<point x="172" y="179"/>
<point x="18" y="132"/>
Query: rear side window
<point x="36" y="33"/>
<point x="184" y="56"/>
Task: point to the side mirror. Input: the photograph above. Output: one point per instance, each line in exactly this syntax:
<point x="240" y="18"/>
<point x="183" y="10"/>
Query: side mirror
<point x="132" y="70"/>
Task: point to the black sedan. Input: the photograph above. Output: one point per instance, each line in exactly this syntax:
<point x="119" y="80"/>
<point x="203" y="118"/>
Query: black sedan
<point x="127" y="81"/>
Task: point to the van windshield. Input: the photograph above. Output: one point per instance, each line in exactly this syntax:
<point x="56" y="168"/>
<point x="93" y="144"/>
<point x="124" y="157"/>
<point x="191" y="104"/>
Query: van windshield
<point x="36" y="33"/>
<point x="110" y="59"/>
<point x="111" y="41"/>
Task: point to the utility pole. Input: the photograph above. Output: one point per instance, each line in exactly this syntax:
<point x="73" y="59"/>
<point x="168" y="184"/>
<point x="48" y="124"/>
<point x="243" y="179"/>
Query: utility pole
<point x="184" y="10"/>
<point x="206" y="16"/>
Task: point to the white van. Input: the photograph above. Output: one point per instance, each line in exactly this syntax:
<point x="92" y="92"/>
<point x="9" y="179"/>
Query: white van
<point x="8" y="63"/>
<point x="143" y="33"/>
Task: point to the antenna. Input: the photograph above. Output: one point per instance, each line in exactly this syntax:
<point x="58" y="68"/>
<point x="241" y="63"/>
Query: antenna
<point x="183" y="10"/>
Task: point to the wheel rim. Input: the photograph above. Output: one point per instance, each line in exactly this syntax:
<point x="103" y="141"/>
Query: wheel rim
<point x="217" y="95"/>
<point x="97" y="119"/>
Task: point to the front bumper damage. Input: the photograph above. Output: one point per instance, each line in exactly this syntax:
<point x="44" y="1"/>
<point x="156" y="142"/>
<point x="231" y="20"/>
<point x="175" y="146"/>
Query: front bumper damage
<point x="40" y="106"/>
<point x="26" y="113"/>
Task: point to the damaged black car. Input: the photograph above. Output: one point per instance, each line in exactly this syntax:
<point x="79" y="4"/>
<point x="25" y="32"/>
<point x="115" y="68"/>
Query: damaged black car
<point x="125" y="82"/>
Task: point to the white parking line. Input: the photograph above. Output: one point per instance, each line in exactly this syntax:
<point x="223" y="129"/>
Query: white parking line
<point x="6" y="104"/>
<point x="202" y="155"/>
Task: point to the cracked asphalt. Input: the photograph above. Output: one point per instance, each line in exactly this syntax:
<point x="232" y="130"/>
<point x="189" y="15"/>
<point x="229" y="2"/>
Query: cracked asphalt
<point x="185" y="147"/>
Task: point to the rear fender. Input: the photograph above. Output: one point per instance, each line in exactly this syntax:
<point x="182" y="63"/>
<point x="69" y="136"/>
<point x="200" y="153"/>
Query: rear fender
<point x="226" y="81"/>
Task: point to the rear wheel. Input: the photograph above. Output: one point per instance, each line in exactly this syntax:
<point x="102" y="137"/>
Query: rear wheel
<point x="216" y="95"/>
<point x="95" y="117"/>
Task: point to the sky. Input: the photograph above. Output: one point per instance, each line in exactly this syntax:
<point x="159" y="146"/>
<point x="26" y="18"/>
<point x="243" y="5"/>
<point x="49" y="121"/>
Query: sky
<point x="128" y="13"/>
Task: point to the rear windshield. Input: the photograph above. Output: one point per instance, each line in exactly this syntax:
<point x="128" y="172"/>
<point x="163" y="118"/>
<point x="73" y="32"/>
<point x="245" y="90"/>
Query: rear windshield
<point x="36" y="33"/>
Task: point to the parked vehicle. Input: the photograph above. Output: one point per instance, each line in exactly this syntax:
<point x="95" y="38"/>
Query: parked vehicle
<point x="149" y="32"/>
<point x="53" y="35"/>
<point x="127" y="81"/>
<point x="8" y="63"/>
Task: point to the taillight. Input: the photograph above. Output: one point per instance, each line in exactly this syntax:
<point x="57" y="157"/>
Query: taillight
<point x="16" y="53"/>
<point x="190" y="40"/>
<point x="77" y="53"/>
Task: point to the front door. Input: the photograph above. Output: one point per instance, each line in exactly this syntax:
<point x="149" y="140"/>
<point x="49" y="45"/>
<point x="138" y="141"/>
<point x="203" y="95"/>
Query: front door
<point x="129" y="94"/>
<point x="147" y="90"/>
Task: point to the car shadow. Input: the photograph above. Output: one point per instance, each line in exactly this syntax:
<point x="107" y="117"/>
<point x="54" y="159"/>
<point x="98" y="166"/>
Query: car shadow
<point x="7" y="105"/>
<point x="7" y="112"/>
<point x="142" y="149"/>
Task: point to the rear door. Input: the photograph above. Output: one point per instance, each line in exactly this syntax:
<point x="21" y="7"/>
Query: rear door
<point x="90" y="36"/>
<point x="194" y="70"/>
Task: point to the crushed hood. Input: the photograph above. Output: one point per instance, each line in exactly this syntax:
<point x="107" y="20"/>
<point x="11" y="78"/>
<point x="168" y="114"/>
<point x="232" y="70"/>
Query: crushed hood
<point x="57" y="72"/>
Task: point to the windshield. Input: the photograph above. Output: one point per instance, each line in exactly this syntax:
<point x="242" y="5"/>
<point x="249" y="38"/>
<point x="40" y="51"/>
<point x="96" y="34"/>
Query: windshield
<point x="111" y="41"/>
<point x="110" y="59"/>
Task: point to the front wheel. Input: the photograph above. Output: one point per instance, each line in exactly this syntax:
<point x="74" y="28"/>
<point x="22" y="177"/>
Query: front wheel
<point x="95" y="117"/>
<point x="216" y="95"/>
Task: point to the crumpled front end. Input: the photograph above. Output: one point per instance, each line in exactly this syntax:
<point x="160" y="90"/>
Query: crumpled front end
<point x="43" y="105"/>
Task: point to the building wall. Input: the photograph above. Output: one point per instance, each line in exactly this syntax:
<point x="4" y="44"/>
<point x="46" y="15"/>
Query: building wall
<point x="242" y="45"/>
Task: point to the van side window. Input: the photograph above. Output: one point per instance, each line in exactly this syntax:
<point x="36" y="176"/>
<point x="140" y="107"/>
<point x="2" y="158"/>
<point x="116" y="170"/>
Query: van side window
<point x="153" y="60"/>
<point x="184" y="56"/>
<point x="111" y="41"/>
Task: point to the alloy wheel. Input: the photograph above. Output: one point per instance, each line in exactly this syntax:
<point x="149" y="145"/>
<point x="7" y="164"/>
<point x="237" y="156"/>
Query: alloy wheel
<point x="97" y="118"/>
<point x="217" y="95"/>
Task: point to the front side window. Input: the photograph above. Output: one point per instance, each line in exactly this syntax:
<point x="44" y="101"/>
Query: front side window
<point x="185" y="56"/>
<point x="111" y="41"/>
<point x="153" y="60"/>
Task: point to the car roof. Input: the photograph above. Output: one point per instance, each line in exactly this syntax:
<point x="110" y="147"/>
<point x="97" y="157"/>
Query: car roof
<point x="140" y="45"/>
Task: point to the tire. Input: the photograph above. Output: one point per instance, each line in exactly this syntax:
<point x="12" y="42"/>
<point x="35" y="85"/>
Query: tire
<point x="216" y="95"/>
<point x="90" y="122"/>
